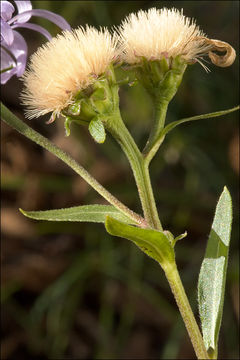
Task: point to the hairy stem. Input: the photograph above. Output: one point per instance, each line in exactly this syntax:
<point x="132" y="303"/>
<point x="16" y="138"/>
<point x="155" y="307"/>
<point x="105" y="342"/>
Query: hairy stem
<point x="24" y="129"/>
<point x="119" y="131"/>
<point x="178" y="291"/>
<point x="154" y="142"/>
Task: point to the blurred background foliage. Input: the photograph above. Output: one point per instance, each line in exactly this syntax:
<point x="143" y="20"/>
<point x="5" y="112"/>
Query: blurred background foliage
<point x="69" y="290"/>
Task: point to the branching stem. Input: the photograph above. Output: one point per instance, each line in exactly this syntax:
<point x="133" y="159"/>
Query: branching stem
<point x="24" y="129"/>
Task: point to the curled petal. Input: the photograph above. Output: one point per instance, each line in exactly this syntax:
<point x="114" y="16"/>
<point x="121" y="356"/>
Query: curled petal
<point x="216" y="45"/>
<point x="23" y="7"/>
<point x="222" y="60"/>
<point x="34" y="27"/>
<point x="56" y="19"/>
<point x="7" y="9"/>
<point x="18" y="51"/>
<point x="6" y="33"/>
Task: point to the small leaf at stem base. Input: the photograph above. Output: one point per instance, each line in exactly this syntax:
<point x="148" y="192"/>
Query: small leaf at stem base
<point x="96" y="129"/>
<point x="154" y="243"/>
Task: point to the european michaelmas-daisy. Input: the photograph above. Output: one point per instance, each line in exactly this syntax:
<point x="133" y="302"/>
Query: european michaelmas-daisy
<point x="13" y="46"/>
<point x="64" y="66"/>
<point x="167" y="33"/>
<point x="161" y="40"/>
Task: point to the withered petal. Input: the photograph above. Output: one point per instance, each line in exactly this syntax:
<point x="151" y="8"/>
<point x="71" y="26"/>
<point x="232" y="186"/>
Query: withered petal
<point x="216" y="45"/>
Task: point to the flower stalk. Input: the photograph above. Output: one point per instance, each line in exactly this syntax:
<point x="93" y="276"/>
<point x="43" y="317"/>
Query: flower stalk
<point x="158" y="44"/>
<point x="117" y="128"/>
<point x="180" y="296"/>
<point x="33" y="135"/>
<point x="155" y="140"/>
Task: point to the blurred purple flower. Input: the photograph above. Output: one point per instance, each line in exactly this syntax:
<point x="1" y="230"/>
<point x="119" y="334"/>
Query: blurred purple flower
<point x="13" y="45"/>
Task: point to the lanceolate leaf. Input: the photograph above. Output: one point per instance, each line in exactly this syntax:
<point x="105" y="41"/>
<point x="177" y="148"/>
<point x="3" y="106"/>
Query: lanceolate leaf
<point x="212" y="278"/>
<point x="88" y="213"/>
<point x="154" y="243"/>
<point x="173" y="124"/>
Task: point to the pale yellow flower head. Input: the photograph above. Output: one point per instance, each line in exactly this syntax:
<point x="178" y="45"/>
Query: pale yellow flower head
<point x="68" y="63"/>
<point x="155" y="34"/>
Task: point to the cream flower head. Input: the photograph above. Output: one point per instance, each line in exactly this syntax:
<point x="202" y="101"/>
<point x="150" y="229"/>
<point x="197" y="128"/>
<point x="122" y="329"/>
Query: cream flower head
<point x="65" y="65"/>
<point x="155" y="34"/>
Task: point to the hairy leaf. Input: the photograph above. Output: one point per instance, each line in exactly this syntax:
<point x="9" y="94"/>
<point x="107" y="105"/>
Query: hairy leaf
<point x="212" y="277"/>
<point x="96" y="129"/>
<point x="88" y="213"/>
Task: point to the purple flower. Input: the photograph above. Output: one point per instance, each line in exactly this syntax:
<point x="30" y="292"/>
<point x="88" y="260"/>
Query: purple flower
<point x="13" y="45"/>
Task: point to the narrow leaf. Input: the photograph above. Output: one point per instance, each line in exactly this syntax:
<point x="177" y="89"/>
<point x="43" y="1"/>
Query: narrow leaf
<point x="212" y="277"/>
<point x="96" y="129"/>
<point x="88" y="213"/>
<point x="173" y="124"/>
<point x="12" y="120"/>
<point x="154" y="243"/>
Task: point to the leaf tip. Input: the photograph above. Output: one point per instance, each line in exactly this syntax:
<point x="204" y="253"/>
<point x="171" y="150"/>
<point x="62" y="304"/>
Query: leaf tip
<point x="226" y="194"/>
<point x="225" y="189"/>
<point x="22" y="211"/>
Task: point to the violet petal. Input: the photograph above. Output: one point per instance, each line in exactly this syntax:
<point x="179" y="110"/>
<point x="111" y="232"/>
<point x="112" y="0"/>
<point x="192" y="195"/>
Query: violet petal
<point x="56" y="19"/>
<point x="19" y="51"/>
<point x="24" y="6"/>
<point x="6" y="62"/>
<point x="7" y="9"/>
<point x="6" y="32"/>
<point x="34" y="27"/>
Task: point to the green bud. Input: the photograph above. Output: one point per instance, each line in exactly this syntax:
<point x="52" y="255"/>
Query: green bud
<point x="161" y="78"/>
<point x="75" y="108"/>
<point x="93" y="104"/>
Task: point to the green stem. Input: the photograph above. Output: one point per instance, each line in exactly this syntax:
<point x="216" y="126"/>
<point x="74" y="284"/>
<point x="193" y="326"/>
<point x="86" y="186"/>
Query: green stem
<point x="154" y="140"/>
<point x="213" y="354"/>
<point x="9" y="118"/>
<point x="119" y="131"/>
<point x="178" y="291"/>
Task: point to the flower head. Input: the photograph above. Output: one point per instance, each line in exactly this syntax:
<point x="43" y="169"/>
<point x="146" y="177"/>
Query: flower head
<point x="64" y="66"/>
<point x="13" y="45"/>
<point x="155" y="34"/>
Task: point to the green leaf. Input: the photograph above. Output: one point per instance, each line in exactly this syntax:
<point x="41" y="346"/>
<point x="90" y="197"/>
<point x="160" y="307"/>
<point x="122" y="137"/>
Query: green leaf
<point x="173" y="124"/>
<point x="96" y="129"/>
<point x="179" y="237"/>
<point x="154" y="243"/>
<point x="67" y="123"/>
<point x="88" y="213"/>
<point x="212" y="277"/>
<point x="12" y="120"/>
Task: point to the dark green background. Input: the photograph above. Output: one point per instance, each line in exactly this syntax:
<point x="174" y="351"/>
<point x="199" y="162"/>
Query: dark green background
<point x="72" y="291"/>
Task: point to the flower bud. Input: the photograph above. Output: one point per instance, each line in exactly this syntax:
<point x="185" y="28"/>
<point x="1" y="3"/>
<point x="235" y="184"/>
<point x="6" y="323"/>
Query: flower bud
<point x="72" y="76"/>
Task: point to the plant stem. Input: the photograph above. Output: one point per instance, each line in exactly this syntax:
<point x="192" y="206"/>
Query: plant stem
<point x="139" y="165"/>
<point x="24" y="129"/>
<point x="119" y="131"/>
<point x="178" y="291"/>
<point x="154" y="140"/>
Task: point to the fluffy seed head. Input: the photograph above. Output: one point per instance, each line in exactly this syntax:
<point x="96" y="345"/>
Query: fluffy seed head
<point x="167" y="32"/>
<point x="63" y="66"/>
